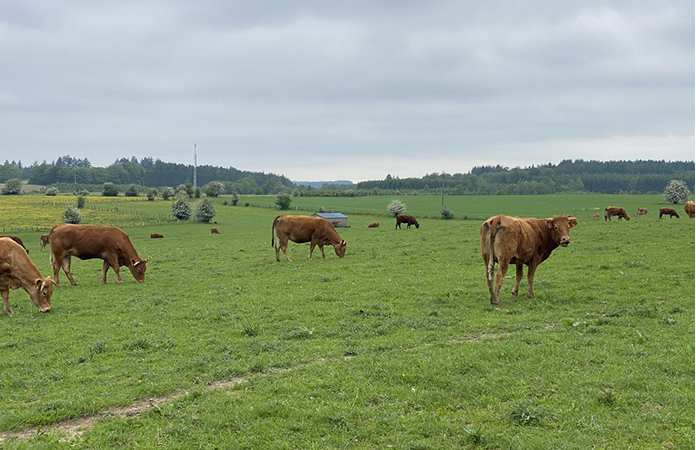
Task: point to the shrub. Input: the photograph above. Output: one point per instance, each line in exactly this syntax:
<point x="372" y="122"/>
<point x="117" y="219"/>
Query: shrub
<point x="133" y="190"/>
<point x="186" y="188"/>
<point x="676" y="192"/>
<point x="181" y="208"/>
<point x="446" y="213"/>
<point x="80" y="202"/>
<point x="167" y="192"/>
<point x="396" y="207"/>
<point x="283" y="200"/>
<point x="204" y="210"/>
<point x="214" y="189"/>
<point x="51" y="191"/>
<point x="235" y="199"/>
<point x="151" y="194"/>
<point x="13" y="186"/>
<point x="72" y="215"/>
<point x="109" y="189"/>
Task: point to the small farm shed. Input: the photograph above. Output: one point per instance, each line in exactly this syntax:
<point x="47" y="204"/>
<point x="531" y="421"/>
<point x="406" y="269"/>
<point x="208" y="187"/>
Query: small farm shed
<point x="337" y="219"/>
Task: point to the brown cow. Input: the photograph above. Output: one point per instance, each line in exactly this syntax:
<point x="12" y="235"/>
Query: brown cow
<point x="93" y="241"/>
<point x="689" y="209"/>
<point x="641" y="211"/>
<point x="668" y="211"/>
<point x="17" y="270"/>
<point x="17" y="240"/>
<point x="528" y="242"/>
<point x="373" y="225"/>
<point x="596" y="215"/>
<point x="44" y="241"/>
<point x="408" y="220"/>
<point x="615" y="211"/>
<point x="214" y="231"/>
<point x="301" y="229"/>
<point x="156" y="236"/>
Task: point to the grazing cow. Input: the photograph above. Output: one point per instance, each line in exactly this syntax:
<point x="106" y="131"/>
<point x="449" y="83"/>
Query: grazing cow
<point x="301" y="229"/>
<point x="44" y="241"/>
<point x="214" y="231"/>
<point x="408" y="220"/>
<point x="668" y="211"/>
<point x="156" y="236"/>
<point x="641" y="211"/>
<point x="93" y="241"/>
<point x="596" y="215"/>
<point x="17" y="270"/>
<point x="507" y="240"/>
<point x="689" y="209"/>
<point x="17" y="240"/>
<point x="373" y="225"/>
<point x="615" y="211"/>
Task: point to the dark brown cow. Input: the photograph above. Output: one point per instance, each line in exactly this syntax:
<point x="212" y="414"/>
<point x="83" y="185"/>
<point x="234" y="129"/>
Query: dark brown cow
<point x="615" y="211"/>
<point x="214" y="231"/>
<point x="671" y="212"/>
<point x="17" y="270"/>
<point x="93" y="241"/>
<point x="44" y="241"/>
<point x="408" y="220"/>
<point x="507" y="240"/>
<point x="689" y="209"/>
<point x="17" y="240"/>
<point x="156" y="236"/>
<point x="641" y="211"/>
<point x="373" y="225"/>
<point x="301" y="229"/>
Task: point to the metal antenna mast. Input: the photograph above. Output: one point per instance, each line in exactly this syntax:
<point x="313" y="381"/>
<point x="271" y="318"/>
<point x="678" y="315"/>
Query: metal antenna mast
<point x="195" y="165"/>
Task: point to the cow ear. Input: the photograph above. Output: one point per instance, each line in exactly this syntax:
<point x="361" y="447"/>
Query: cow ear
<point x="134" y="262"/>
<point x="38" y="282"/>
<point x="572" y="221"/>
<point x="343" y="242"/>
<point x="145" y="260"/>
<point x="49" y="280"/>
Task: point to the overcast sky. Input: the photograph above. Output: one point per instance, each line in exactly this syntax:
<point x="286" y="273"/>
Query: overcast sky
<point x="327" y="90"/>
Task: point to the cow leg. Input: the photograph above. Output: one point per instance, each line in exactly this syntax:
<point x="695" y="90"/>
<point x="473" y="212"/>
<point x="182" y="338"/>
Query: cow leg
<point x="311" y="249"/>
<point x="502" y="270"/>
<point x="530" y="280"/>
<point x="321" y="247"/>
<point x="284" y="248"/>
<point x="6" y="300"/>
<point x="518" y="278"/>
<point x="56" y="268"/>
<point x="114" y="265"/>
<point x="489" y="278"/>
<point x="66" y="269"/>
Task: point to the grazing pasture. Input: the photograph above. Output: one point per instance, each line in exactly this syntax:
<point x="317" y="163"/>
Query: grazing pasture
<point x="394" y="345"/>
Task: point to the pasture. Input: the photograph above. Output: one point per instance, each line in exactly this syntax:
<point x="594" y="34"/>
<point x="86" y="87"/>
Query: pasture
<point x="394" y="346"/>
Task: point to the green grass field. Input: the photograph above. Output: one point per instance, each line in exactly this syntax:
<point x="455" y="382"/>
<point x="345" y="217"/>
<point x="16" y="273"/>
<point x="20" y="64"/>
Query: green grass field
<point x="394" y="346"/>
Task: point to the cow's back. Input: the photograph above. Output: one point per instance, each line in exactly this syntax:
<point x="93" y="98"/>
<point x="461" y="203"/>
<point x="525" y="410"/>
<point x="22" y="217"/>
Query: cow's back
<point x="89" y="241"/>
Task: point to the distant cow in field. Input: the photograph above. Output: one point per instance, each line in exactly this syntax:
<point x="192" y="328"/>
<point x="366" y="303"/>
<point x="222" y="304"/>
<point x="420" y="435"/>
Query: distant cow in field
<point x="373" y="225"/>
<point x="641" y="211"/>
<point x="17" y="270"/>
<point x="44" y="241"/>
<point x="408" y="220"/>
<point x="214" y="231"/>
<point x="671" y="212"/>
<point x="156" y="236"/>
<point x="301" y="229"/>
<point x="596" y="215"/>
<point x="17" y="240"/>
<point x="689" y="209"/>
<point x="507" y="240"/>
<point x="615" y="211"/>
<point x="93" y="241"/>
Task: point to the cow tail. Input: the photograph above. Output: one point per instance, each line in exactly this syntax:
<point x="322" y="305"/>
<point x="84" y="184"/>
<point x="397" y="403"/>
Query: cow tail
<point x="275" y="222"/>
<point x="493" y="232"/>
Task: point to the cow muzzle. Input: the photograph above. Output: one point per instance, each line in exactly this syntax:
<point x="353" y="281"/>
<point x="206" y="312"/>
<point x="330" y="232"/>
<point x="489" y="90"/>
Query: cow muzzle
<point x="565" y="242"/>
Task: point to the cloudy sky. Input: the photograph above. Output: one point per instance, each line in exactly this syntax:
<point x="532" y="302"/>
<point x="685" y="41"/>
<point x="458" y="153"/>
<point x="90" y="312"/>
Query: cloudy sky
<point x="327" y="90"/>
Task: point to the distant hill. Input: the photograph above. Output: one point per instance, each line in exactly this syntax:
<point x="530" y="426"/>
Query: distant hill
<point x="319" y="184"/>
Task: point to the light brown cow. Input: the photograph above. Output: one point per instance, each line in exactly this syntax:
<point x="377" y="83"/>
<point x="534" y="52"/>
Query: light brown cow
<point x="17" y="270"/>
<point x="373" y="225"/>
<point x="615" y="211"/>
<point x="596" y="215"/>
<point x="44" y="241"/>
<point x="507" y="240"/>
<point x="156" y="236"/>
<point x="301" y="229"/>
<point x="17" y="240"/>
<point x="671" y="212"/>
<point x="689" y="209"/>
<point x="214" y="231"/>
<point x="93" y="241"/>
<point x="641" y="211"/>
<point x="408" y="220"/>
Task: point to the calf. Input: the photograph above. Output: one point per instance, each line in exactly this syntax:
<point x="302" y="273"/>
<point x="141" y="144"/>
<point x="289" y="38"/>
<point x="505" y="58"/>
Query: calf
<point x="301" y="229"/>
<point x="689" y="209"/>
<point x="641" y="211"/>
<point x="408" y="220"/>
<point x="668" y="211"/>
<point x="507" y="240"/>
<point x="214" y="231"/>
<point x="17" y="270"/>
<point x="44" y="241"/>
<point x="156" y="236"/>
<point x="615" y="211"/>
<point x="373" y="225"/>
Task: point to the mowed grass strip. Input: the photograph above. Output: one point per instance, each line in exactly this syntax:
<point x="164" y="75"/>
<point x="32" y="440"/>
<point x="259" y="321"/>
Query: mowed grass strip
<point x="394" y="345"/>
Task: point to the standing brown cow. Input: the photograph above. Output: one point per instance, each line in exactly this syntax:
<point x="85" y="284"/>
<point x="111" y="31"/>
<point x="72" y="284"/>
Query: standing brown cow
<point x="641" y="211"/>
<point x="17" y="270"/>
<point x="689" y="209"/>
<point x="507" y="240"/>
<point x="671" y="212"/>
<point x="44" y="241"/>
<point x="93" y="241"/>
<point x="301" y="229"/>
<point x="408" y="220"/>
<point x="615" y="211"/>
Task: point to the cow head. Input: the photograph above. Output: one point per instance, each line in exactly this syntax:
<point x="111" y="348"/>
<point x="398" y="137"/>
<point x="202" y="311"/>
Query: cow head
<point x="138" y="268"/>
<point x="560" y="229"/>
<point x="340" y="248"/>
<point x="42" y="297"/>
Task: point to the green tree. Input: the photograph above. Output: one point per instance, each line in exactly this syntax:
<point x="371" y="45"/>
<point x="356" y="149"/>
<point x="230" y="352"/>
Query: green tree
<point x="72" y="214"/>
<point x="214" y="189"/>
<point x="181" y="208"/>
<point x="13" y="186"/>
<point x="204" y="210"/>
<point x="167" y="192"/>
<point x="446" y="213"/>
<point x="51" y="191"/>
<point x="396" y="207"/>
<point x="80" y="201"/>
<point x="133" y="190"/>
<point x="283" y="200"/>
<point x="677" y="192"/>
<point x="109" y="189"/>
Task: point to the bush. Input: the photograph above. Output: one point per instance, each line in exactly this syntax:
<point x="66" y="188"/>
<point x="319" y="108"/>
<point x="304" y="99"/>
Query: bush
<point x="214" y="189"/>
<point x="167" y="192"/>
<point x="51" y="191"/>
<point x="204" y="210"/>
<point x="186" y="189"/>
<point x="676" y="192"/>
<point x="446" y="213"/>
<point x="235" y="199"/>
<point x="80" y="202"/>
<point x="109" y="189"/>
<point x="151" y="193"/>
<point x="72" y="215"/>
<point x="283" y="200"/>
<point x="181" y="208"/>
<point x="12" y="187"/>
<point x="396" y="207"/>
<point x="133" y="190"/>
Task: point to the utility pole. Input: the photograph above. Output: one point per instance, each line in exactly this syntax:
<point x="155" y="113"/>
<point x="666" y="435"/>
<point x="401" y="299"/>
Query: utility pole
<point x="443" y="189"/>
<point x="195" y="164"/>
